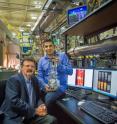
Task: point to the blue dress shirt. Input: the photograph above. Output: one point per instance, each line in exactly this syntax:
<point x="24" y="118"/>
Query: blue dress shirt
<point x="64" y="68"/>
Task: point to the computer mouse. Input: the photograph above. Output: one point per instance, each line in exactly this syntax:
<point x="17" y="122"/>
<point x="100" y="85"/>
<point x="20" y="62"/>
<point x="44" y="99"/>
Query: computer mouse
<point x="81" y="102"/>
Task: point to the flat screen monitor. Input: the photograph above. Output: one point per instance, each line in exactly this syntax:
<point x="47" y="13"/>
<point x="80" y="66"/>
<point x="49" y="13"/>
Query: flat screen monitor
<point x="105" y="82"/>
<point x="76" y="14"/>
<point x="72" y="78"/>
<point x="26" y="49"/>
<point x="84" y="78"/>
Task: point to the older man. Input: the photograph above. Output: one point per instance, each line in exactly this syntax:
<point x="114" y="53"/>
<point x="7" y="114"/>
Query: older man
<point x="22" y="98"/>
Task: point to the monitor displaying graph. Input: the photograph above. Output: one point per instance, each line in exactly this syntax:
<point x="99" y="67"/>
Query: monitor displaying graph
<point x="105" y="82"/>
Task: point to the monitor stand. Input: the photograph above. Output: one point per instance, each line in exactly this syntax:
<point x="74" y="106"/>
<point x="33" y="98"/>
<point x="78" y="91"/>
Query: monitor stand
<point x="85" y="93"/>
<point x="104" y="99"/>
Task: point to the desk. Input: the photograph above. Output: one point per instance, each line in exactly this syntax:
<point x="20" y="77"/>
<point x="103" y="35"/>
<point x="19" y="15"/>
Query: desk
<point x="72" y="110"/>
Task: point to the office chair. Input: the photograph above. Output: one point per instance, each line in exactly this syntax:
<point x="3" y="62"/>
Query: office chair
<point x="2" y="96"/>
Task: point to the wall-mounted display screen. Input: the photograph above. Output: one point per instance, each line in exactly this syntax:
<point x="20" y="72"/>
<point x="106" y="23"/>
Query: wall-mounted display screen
<point x="76" y="14"/>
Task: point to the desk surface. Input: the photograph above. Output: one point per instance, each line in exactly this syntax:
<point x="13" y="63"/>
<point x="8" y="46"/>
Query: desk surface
<point x="71" y="108"/>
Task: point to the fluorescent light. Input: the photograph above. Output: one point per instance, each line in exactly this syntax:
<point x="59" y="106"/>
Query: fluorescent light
<point x="35" y="2"/>
<point x="29" y="25"/>
<point x="21" y="29"/>
<point x="34" y="17"/>
<point x="14" y="34"/>
<point x="38" y="6"/>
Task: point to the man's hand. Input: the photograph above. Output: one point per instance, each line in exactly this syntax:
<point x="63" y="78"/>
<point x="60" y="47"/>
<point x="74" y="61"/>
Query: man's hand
<point x="48" y="89"/>
<point x="55" y="59"/>
<point x="41" y="110"/>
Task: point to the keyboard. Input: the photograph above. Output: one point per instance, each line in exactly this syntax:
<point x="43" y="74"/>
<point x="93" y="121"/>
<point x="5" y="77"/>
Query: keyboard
<point x="102" y="114"/>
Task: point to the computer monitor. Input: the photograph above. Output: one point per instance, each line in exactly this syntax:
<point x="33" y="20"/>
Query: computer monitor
<point x="26" y="49"/>
<point x="72" y="78"/>
<point x="84" y="78"/>
<point x="105" y="82"/>
<point x="76" y="14"/>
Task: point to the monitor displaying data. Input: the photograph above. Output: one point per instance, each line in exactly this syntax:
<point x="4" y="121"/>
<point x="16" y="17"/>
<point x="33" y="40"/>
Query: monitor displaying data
<point x="72" y="78"/>
<point x="84" y="78"/>
<point x="76" y="14"/>
<point x="105" y="82"/>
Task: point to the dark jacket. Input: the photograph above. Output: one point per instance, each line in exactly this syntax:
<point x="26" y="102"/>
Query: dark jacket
<point x="16" y="104"/>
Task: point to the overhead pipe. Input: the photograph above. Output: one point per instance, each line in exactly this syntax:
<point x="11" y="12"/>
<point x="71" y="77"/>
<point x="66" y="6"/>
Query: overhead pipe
<point x="48" y="15"/>
<point x="41" y="17"/>
<point x="57" y="7"/>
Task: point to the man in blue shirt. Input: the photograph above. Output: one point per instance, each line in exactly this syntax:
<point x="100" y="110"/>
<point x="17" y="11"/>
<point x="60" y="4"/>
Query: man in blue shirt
<point x="59" y="63"/>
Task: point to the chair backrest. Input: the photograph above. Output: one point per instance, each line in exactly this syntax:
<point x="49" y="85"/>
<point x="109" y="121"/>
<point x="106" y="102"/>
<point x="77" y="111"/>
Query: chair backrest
<point x="2" y="90"/>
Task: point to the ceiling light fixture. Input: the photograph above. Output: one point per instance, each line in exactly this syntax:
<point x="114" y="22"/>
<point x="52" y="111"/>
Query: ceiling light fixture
<point x="21" y="29"/>
<point x="34" y="17"/>
<point x="28" y="25"/>
<point x="14" y="34"/>
<point x="38" y="6"/>
<point x="36" y="2"/>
